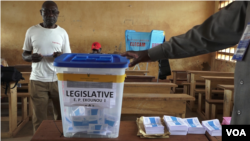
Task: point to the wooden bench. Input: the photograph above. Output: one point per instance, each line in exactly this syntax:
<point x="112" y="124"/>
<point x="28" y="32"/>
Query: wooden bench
<point x="194" y="76"/>
<point x="148" y="87"/>
<point x="12" y="95"/>
<point x="23" y="67"/>
<point x="186" y="86"/>
<point x="139" y="78"/>
<point x="164" y="104"/>
<point x="213" y="103"/>
<point x="228" y="99"/>
<point x="211" y="83"/>
<point x="136" y="72"/>
<point x="213" y="91"/>
<point x="201" y="100"/>
<point x="178" y="77"/>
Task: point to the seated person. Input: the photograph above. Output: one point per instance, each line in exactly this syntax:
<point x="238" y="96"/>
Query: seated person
<point x="96" y="48"/>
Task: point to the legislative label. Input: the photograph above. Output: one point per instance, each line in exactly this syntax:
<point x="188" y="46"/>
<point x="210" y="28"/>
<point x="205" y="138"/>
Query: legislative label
<point x="89" y="94"/>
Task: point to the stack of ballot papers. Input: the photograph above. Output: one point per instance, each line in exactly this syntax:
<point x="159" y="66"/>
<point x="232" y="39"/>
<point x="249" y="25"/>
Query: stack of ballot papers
<point x="175" y="125"/>
<point x="153" y="125"/>
<point x="194" y="126"/>
<point x="213" y="127"/>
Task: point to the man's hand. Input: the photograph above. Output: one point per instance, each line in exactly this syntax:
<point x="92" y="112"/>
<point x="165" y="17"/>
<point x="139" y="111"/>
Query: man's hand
<point x="137" y="56"/>
<point x="36" y="57"/>
<point x="56" y="54"/>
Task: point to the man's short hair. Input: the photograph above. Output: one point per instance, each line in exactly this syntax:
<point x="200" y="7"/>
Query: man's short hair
<point x="49" y="2"/>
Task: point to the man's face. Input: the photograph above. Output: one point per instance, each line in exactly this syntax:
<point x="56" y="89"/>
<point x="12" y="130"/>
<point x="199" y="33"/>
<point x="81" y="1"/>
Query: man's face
<point x="95" y="51"/>
<point x="49" y="14"/>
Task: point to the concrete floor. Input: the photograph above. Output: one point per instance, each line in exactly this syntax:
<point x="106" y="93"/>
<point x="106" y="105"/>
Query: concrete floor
<point x="27" y="131"/>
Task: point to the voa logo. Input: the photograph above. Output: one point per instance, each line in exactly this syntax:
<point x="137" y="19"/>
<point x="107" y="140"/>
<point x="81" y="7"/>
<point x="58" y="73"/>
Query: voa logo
<point x="236" y="132"/>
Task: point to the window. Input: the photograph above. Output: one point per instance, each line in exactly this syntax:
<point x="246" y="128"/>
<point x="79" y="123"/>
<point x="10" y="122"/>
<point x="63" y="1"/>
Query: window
<point x="223" y="4"/>
<point x="225" y="54"/>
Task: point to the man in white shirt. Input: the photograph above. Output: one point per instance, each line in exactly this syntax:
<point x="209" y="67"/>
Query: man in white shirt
<point x="47" y="41"/>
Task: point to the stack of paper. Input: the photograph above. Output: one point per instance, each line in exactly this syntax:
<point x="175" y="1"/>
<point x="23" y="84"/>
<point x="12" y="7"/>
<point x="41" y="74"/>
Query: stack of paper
<point x="213" y="127"/>
<point x="153" y="125"/>
<point x="194" y="126"/>
<point x="175" y="125"/>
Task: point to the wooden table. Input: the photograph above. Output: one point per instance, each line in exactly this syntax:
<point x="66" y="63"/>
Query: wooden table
<point x="193" y="76"/>
<point x="139" y="78"/>
<point x="228" y="99"/>
<point x="48" y="131"/>
<point x="211" y="83"/>
<point x="148" y="87"/>
<point x="213" y="138"/>
<point x="136" y="72"/>
<point x="160" y="104"/>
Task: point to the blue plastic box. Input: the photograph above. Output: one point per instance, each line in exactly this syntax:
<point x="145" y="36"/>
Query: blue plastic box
<point x="91" y="91"/>
<point x="138" y="41"/>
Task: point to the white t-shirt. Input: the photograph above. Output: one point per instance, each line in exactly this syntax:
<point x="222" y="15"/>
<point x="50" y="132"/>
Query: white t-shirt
<point x="45" y="41"/>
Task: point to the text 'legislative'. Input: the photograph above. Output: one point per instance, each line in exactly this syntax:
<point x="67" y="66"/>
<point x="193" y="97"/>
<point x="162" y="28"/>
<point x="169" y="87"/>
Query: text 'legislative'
<point x="93" y="94"/>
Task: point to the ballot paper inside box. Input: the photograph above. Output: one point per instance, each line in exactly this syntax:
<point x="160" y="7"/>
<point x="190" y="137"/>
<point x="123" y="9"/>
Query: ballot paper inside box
<point x="91" y="90"/>
<point x="91" y="122"/>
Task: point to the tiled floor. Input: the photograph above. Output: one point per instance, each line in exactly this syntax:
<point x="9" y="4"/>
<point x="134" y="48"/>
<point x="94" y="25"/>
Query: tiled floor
<point x="27" y="131"/>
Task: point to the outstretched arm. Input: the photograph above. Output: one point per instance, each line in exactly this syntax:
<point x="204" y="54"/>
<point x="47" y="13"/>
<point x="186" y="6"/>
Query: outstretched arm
<point x="221" y="30"/>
